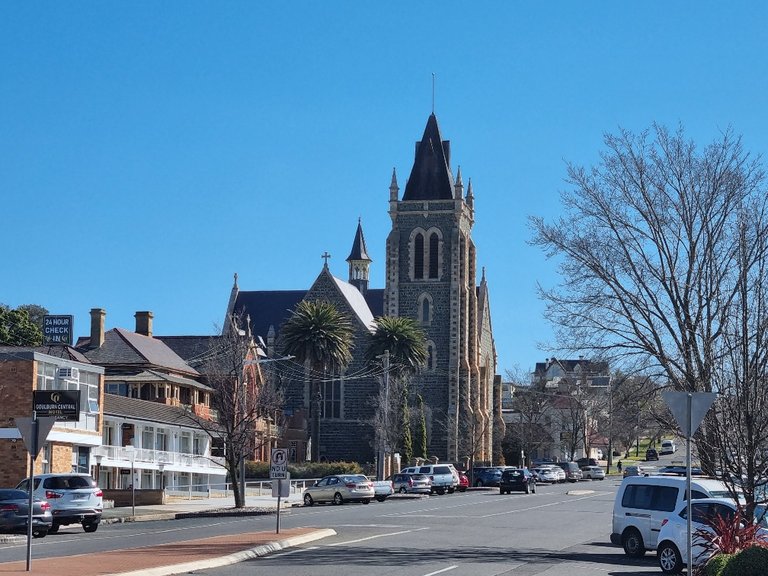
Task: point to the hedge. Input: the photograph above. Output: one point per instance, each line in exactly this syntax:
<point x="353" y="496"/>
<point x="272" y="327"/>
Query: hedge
<point x="260" y="470"/>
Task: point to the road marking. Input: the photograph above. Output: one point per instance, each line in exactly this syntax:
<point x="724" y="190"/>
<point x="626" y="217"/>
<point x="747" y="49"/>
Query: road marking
<point x="441" y="571"/>
<point x="375" y="537"/>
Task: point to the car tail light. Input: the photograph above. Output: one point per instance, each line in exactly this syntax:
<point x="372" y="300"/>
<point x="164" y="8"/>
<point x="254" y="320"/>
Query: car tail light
<point x="50" y="495"/>
<point x="98" y="493"/>
<point x="410" y="481"/>
<point x="45" y="506"/>
<point x="9" y="508"/>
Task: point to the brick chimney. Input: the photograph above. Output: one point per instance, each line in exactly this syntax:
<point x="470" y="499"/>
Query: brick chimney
<point x="97" y="327"/>
<point x="144" y="323"/>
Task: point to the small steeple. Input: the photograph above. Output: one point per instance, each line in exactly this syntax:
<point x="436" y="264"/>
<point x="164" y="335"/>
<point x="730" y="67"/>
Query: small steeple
<point x="394" y="189"/>
<point x="470" y="195"/>
<point x="458" y="188"/>
<point x="359" y="261"/>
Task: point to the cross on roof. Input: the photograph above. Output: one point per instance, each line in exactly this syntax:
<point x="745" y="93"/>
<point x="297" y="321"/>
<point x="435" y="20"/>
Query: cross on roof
<point x="325" y="256"/>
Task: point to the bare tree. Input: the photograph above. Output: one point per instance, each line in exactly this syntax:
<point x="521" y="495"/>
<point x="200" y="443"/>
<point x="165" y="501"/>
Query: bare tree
<point x="245" y="403"/>
<point x="657" y="249"/>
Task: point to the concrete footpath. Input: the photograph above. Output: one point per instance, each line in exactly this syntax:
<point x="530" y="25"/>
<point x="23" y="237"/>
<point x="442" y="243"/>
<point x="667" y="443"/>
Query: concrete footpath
<point x="179" y="557"/>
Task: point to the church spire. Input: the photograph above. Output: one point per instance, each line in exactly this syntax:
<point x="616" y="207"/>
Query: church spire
<point x="359" y="261"/>
<point x="470" y="195"/>
<point x="431" y="177"/>
<point x="394" y="189"/>
<point x="458" y="188"/>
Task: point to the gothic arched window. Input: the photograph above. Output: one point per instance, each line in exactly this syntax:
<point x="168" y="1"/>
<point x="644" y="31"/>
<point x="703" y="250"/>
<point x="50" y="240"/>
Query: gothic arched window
<point x="434" y="251"/>
<point x="431" y="356"/>
<point x="418" y="256"/>
<point x="425" y="309"/>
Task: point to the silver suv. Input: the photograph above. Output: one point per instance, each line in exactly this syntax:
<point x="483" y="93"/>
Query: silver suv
<point x="74" y="499"/>
<point x="445" y="478"/>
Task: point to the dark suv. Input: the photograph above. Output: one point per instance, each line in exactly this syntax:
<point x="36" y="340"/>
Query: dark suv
<point x="572" y="471"/>
<point x="519" y="479"/>
<point x="488" y="476"/>
<point x="651" y="454"/>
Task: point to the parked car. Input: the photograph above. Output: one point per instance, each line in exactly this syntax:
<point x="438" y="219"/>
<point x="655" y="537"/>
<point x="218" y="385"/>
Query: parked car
<point x="547" y="474"/>
<point x="74" y="499"/>
<point x="639" y="470"/>
<point x="672" y="550"/>
<point x="340" y="488"/>
<point x="14" y="513"/>
<point x="572" y="471"/>
<point x="382" y="489"/>
<point x="593" y="472"/>
<point x="519" y="479"/>
<point x="411" y="483"/>
<point x="444" y="477"/>
<point x="642" y="503"/>
<point x="681" y="470"/>
<point x="487" y="476"/>
<point x="668" y="447"/>
<point x="651" y="454"/>
<point x="463" y="482"/>
<point x="586" y="462"/>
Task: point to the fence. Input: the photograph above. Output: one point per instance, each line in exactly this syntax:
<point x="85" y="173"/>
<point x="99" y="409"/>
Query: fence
<point x="224" y="490"/>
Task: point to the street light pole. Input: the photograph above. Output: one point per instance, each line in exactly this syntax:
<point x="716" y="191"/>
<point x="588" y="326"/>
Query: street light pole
<point x="610" y="425"/>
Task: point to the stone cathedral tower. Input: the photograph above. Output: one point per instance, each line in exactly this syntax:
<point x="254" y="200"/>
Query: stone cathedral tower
<point x="431" y="276"/>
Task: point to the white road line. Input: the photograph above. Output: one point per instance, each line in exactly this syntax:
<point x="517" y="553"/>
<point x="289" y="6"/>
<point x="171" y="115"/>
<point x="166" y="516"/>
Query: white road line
<point x="441" y="571"/>
<point x="374" y="537"/>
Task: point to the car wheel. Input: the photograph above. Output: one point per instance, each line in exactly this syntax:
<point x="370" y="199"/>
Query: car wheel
<point x="90" y="526"/>
<point x="670" y="560"/>
<point x="403" y="490"/>
<point x="368" y="501"/>
<point x="337" y="499"/>
<point x="451" y="490"/>
<point x="379" y="499"/>
<point x="308" y="500"/>
<point x="440" y="491"/>
<point x="633" y="544"/>
<point x="54" y="528"/>
<point x="39" y="533"/>
<point x="479" y="483"/>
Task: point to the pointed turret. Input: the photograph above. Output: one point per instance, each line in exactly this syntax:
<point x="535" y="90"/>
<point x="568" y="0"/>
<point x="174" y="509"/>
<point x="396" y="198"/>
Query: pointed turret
<point x="458" y="188"/>
<point x="470" y="196"/>
<point x="431" y="177"/>
<point x="359" y="261"/>
<point x="394" y="189"/>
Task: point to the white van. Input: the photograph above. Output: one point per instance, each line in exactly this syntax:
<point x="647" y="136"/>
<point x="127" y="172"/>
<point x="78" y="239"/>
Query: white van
<point x="643" y="502"/>
<point x="668" y="447"/>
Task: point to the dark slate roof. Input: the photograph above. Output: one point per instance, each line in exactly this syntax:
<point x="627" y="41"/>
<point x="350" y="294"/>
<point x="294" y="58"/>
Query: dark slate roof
<point x="192" y="349"/>
<point x="267" y="308"/>
<point x="65" y="352"/>
<point x="359" y="250"/>
<point x="125" y="348"/>
<point x="431" y="177"/>
<point x="375" y="299"/>
<point x="155" y="376"/>
<point x="136" y="409"/>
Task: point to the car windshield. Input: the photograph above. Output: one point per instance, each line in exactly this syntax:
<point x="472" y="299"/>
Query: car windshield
<point x="69" y="482"/>
<point x="13" y="495"/>
<point x="353" y="478"/>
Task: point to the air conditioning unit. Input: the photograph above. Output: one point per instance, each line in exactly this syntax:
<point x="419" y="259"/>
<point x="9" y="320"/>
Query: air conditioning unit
<point x="69" y="373"/>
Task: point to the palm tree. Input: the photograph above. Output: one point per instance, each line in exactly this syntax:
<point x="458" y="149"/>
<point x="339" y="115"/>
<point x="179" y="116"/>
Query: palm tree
<point x="318" y="333"/>
<point x="401" y="344"/>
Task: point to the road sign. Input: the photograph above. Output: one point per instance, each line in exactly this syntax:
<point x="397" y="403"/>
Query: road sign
<point x="699" y="405"/>
<point x="34" y="432"/>
<point x="278" y="467"/>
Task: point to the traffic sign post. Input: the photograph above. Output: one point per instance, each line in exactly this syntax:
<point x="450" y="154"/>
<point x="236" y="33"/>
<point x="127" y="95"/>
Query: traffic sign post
<point x="689" y="409"/>
<point x="278" y="470"/>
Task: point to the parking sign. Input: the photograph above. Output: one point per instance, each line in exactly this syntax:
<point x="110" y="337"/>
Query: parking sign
<point x="278" y="467"/>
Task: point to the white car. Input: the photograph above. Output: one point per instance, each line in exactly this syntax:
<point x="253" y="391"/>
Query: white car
<point x="546" y="474"/>
<point x="74" y="499"/>
<point x="593" y="472"/>
<point x="672" y="550"/>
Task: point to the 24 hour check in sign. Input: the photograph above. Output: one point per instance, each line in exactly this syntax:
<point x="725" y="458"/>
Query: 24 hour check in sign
<point x="278" y="467"/>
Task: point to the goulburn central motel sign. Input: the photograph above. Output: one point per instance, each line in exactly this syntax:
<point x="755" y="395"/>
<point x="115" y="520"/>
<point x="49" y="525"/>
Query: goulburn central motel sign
<point x="64" y="405"/>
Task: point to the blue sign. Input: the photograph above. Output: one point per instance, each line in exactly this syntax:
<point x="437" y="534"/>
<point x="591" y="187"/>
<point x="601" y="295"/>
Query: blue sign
<point x="57" y="329"/>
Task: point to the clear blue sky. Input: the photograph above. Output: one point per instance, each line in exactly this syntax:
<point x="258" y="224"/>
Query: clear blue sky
<point x="150" y="150"/>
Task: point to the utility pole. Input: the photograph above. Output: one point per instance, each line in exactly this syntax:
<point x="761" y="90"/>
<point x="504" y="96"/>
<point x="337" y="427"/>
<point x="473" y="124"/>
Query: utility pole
<point x="380" y="469"/>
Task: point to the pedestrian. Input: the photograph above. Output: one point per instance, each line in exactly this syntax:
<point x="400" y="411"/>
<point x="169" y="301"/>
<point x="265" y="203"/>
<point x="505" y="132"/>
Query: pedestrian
<point x="618" y="466"/>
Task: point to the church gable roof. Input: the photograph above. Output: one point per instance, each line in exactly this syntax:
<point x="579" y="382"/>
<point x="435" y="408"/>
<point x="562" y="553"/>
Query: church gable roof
<point x="267" y="308"/>
<point x="431" y="177"/>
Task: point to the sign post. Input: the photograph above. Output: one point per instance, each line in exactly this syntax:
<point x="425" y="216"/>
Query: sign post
<point x="689" y="409"/>
<point x="278" y="470"/>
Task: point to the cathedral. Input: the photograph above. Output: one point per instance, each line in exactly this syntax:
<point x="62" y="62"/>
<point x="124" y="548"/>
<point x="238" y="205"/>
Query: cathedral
<point x="431" y="276"/>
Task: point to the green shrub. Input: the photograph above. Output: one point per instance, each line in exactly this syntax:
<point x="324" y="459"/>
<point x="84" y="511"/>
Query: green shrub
<point x="260" y="470"/>
<point x="751" y="561"/>
<point x="717" y="564"/>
